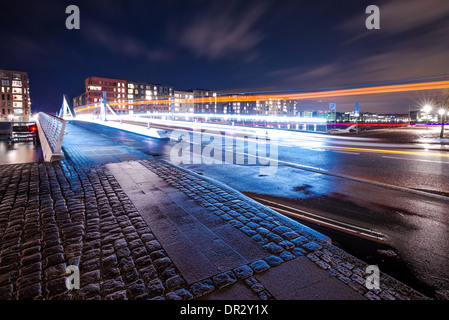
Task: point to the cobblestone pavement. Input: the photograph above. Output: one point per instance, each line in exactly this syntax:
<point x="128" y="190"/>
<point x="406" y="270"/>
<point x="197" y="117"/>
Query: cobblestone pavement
<point x="60" y="214"/>
<point x="283" y="239"/>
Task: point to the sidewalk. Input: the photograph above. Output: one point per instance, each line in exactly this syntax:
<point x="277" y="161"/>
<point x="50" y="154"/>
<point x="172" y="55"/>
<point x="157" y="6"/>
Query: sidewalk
<point x="141" y="228"/>
<point x="214" y="243"/>
<point x="227" y="246"/>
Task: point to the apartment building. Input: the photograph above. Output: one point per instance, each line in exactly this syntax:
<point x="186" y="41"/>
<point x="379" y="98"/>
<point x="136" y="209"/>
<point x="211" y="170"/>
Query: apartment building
<point x="183" y="102"/>
<point x="270" y="107"/>
<point x="15" y="103"/>
<point x="206" y="102"/>
<point x="148" y="98"/>
<point x="124" y="96"/>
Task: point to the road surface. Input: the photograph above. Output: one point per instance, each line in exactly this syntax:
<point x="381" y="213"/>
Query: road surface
<point x="364" y="193"/>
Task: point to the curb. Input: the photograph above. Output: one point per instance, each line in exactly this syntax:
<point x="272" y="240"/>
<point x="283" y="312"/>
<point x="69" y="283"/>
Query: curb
<point x="290" y="222"/>
<point x="338" y="263"/>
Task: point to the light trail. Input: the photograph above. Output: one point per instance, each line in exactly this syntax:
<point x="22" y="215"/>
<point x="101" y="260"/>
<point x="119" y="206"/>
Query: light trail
<point x="289" y="96"/>
<point x="390" y="151"/>
<point x="283" y="138"/>
<point x="420" y="160"/>
<point x="321" y="220"/>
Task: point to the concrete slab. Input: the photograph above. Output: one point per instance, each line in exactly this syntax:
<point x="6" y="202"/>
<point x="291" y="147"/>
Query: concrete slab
<point x="202" y="245"/>
<point x="192" y="264"/>
<point x="300" y="279"/>
<point x="236" y="291"/>
<point x="198" y="242"/>
<point x="243" y="244"/>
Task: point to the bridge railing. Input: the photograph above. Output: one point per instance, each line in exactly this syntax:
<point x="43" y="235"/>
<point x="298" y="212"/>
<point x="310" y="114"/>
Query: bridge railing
<point x="51" y="131"/>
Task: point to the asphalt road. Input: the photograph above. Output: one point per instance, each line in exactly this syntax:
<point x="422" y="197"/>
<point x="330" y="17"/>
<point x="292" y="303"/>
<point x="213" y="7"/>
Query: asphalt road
<point x="346" y="185"/>
<point x="399" y="156"/>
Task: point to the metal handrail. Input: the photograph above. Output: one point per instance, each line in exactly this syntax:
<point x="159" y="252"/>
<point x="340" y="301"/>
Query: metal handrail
<point x="53" y="129"/>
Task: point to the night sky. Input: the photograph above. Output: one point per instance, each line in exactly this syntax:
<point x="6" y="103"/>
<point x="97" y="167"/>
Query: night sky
<point x="227" y="45"/>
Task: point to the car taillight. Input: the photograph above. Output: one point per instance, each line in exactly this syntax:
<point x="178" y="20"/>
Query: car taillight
<point x="33" y="129"/>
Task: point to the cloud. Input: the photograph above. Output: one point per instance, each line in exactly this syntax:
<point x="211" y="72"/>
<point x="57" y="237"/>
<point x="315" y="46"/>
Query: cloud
<point x="410" y="44"/>
<point x="21" y="44"/>
<point x="225" y="30"/>
<point x="405" y="15"/>
<point x="125" y="44"/>
<point x="398" y="17"/>
<point x="388" y="66"/>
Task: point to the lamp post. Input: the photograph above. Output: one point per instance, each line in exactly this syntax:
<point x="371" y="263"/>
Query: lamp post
<point x="426" y="109"/>
<point x="442" y="113"/>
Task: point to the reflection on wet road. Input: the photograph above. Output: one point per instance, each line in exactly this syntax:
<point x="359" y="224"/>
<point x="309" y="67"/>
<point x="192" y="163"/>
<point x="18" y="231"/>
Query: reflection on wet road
<point x="20" y="152"/>
<point x="413" y="225"/>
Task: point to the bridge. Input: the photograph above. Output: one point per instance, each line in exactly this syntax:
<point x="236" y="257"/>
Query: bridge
<point x="160" y="125"/>
<point x="352" y="173"/>
<point x="272" y="193"/>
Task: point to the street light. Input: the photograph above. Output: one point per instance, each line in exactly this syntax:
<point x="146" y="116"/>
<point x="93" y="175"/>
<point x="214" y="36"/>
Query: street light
<point x="442" y="112"/>
<point x="427" y="108"/>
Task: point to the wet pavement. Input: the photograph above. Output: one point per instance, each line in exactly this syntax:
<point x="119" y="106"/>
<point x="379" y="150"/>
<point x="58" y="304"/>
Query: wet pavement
<point x="204" y="245"/>
<point x="115" y="146"/>
<point x="413" y="225"/>
<point x="404" y="135"/>
<point x="20" y="152"/>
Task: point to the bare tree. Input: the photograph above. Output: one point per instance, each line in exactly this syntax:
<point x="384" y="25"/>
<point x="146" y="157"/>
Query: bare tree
<point x="442" y="103"/>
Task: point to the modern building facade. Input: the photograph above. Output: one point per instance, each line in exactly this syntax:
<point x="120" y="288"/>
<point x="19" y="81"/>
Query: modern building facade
<point x="145" y="97"/>
<point x="272" y="107"/>
<point x="183" y="102"/>
<point x="133" y="97"/>
<point x="94" y="88"/>
<point x="124" y="96"/>
<point x="15" y="102"/>
<point x="206" y="102"/>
